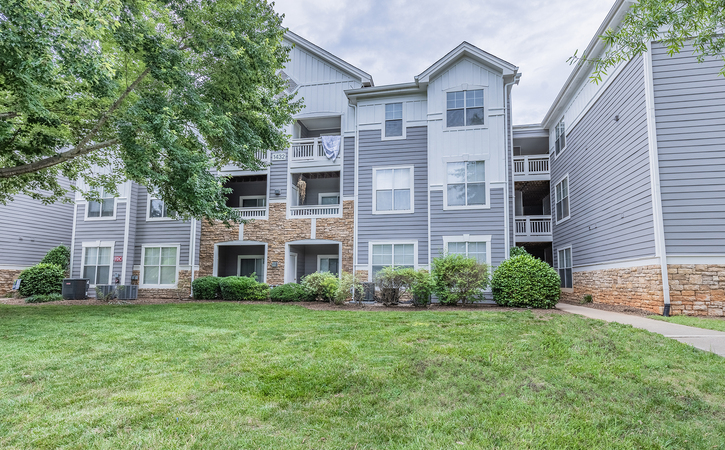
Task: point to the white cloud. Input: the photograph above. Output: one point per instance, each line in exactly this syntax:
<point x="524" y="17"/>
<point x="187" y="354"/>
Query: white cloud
<point x="397" y="39"/>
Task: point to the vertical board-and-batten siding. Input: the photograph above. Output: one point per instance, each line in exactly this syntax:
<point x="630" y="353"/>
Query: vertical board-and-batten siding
<point x="169" y="232"/>
<point x="374" y="152"/>
<point x="607" y="161"/>
<point x="690" y="117"/>
<point x="28" y="229"/>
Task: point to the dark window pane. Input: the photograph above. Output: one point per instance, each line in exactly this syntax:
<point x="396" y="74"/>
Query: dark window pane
<point x="94" y="209"/>
<point x="107" y="208"/>
<point x="476" y="194"/>
<point x="565" y="206"/>
<point x="393" y="128"/>
<point x="103" y="274"/>
<point x="474" y="116"/>
<point x="90" y="273"/>
<point x="455" y="118"/>
<point x="569" y="282"/>
<point x="157" y="208"/>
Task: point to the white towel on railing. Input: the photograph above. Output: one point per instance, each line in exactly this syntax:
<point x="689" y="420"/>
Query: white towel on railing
<point x="331" y="145"/>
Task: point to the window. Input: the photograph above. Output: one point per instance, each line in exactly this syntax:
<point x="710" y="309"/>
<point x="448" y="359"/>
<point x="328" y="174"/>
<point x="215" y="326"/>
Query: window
<point x="466" y="183"/>
<point x="256" y="201"/>
<point x="328" y="263"/>
<point x="104" y="208"/>
<point x="248" y="265"/>
<point x="393" y="120"/>
<point x="97" y="264"/>
<point x="157" y="209"/>
<point x="329" y="199"/>
<point x="562" y="200"/>
<point x="159" y="265"/>
<point x="464" y="108"/>
<point x="560" y="143"/>
<point x="564" y="263"/>
<point x="471" y="249"/>
<point x="393" y="190"/>
<point x="396" y="255"/>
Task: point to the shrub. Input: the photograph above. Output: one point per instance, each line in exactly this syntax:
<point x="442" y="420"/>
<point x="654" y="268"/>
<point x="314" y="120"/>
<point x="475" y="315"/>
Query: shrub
<point x="322" y="285"/>
<point x="41" y="279"/>
<point x="517" y="251"/>
<point x="345" y="288"/>
<point x="457" y="278"/>
<point x="587" y="299"/>
<point x="243" y="288"/>
<point x="43" y="298"/>
<point x="392" y="283"/>
<point x="525" y="281"/>
<point x="206" y="288"/>
<point x="421" y="286"/>
<point x="60" y="256"/>
<point x="290" y="292"/>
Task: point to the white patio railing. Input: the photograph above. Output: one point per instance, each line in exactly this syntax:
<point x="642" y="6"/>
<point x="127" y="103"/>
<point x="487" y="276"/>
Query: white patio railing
<point x="531" y="165"/>
<point x="315" y="211"/>
<point x="529" y="226"/>
<point x="252" y="213"/>
<point x="310" y="150"/>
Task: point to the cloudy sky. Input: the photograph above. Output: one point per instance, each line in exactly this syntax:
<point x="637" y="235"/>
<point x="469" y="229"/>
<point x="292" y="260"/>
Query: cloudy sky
<point x="394" y="40"/>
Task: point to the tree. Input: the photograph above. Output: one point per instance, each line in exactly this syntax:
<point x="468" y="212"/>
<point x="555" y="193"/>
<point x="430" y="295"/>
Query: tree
<point x="161" y="92"/>
<point x="673" y="22"/>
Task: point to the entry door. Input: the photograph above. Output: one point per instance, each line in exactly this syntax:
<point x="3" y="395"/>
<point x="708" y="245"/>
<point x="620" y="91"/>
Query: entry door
<point x="249" y="265"/>
<point x="292" y="268"/>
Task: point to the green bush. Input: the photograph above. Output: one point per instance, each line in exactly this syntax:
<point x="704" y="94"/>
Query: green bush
<point x="41" y="279"/>
<point x="345" y="288"/>
<point x="392" y="282"/>
<point x="457" y="278"/>
<point x="290" y="292"/>
<point x="43" y="298"/>
<point x="60" y="256"/>
<point x="517" y="251"/>
<point x="322" y="285"/>
<point x="525" y="281"/>
<point x="243" y="288"/>
<point x="206" y="288"/>
<point x="421" y="286"/>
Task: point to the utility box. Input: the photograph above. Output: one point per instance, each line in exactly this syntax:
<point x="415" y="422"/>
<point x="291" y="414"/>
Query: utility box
<point x="75" y="288"/>
<point x="127" y="292"/>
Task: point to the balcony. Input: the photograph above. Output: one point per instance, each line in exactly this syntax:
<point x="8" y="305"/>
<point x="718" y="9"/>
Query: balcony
<point x="315" y="211"/>
<point x="533" y="229"/>
<point x="251" y="213"/>
<point x="531" y="168"/>
<point x="309" y="152"/>
<point x="232" y="169"/>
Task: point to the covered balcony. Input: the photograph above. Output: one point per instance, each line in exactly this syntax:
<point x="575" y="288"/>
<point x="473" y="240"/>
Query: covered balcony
<point x="241" y="258"/>
<point x="249" y="196"/>
<point x="531" y="154"/>
<point x="310" y="256"/>
<point x="315" y="194"/>
<point x="307" y="148"/>
<point x="533" y="212"/>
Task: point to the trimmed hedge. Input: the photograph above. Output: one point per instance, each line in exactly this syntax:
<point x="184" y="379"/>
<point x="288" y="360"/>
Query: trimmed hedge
<point x="458" y="278"/>
<point x="59" y="256"/>
<point x="206" y="288"/>
<point x="44" y="298"/>
<point x="291" y="292"/>
<point x="323" y="285"/>
<point x="518" y="251"/>
<point x="41" y="279"/>
<point x="243" y="288"/>
<point x="525" y="281"/>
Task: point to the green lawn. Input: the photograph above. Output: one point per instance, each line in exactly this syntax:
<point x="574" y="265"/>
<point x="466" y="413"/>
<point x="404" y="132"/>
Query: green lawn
<point x="237" y="376"/>
<point x="699" y="322"/>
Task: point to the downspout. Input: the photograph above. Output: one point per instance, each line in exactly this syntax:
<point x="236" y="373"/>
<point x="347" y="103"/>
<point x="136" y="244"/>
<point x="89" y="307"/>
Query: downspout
<point x="509" y="157"/>
<point x="126" y="231"/>
<point x="354" y="220"/>
<point x="192" y="248"/>
<point x="73" y="241"/>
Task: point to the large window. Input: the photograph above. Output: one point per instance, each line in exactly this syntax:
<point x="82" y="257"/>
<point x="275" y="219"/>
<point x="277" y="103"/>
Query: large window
<point x="464" y="108"/>
<point x="158" y="210"/>
<point x="253" y="201"/>
<point x="560" y="142"/>
<point x="97" y="264"/>
<point x="328" y="263"/>
<point x="476" y="250"/>
<point x="395" y="255"/>
<point x="564" y="263"/>
<point x="466" y="183"/>
<point x="159" y="265"/>
<point x="104" y="208"/>
<point x="393" y="190"/>
<point x="562" y="199"/>
<point x="393" y="120"/>
<point x="251" y="265"/>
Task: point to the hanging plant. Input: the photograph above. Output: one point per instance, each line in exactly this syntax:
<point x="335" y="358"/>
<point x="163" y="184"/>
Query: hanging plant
<point x="302" y="187"/>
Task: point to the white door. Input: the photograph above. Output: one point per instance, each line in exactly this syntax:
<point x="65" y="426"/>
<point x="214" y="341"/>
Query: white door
<point x="292" y="268"/>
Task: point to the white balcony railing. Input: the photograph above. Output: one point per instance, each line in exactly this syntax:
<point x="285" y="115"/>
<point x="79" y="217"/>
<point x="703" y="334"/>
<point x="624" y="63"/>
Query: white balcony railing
<point x="315" y="211"/>
<point x="252" y="213"/>
<point x="310" y="150"/>
<point x="262" y="155"/>
<point x="533" y="226"/>
<point x="531" y="165"/>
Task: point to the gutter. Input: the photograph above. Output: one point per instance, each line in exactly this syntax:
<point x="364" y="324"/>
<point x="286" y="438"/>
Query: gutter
<point x="509" y="159"/>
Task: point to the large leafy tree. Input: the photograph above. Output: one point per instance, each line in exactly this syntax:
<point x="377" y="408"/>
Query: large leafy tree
<point x="676" y="23"/>
<point x="160" y="92"/>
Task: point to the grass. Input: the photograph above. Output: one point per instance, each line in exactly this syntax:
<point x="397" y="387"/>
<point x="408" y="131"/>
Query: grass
<point x="227" y="375"/>
<point x="699" y="322"/>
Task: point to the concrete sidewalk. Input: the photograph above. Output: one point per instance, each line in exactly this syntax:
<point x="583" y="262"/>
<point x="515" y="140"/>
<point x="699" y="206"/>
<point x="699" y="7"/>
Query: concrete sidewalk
<point x="708" y="340"/>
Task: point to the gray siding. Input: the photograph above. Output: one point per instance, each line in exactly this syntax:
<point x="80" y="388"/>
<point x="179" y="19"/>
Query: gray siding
<point x="373" y="152"/>
<point x="99" y="230"/>
<point x="278" y="179"/>
<point x="132" y="229"/>
<point x="475" y="221"/>
<point x="320" y="186"/>
<point x="690" y="116"/>
<point x="609" y="177"/>
<point x="348" y="189"/>
<point x="30" y="229"/>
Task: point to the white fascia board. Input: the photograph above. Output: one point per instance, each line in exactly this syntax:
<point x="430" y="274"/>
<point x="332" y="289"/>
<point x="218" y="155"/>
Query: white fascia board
<point x="466" y="49"/>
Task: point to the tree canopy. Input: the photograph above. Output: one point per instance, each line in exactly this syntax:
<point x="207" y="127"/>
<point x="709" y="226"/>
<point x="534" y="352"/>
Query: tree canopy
<point x="675" y="23"/>
<point x="161" y="92"/>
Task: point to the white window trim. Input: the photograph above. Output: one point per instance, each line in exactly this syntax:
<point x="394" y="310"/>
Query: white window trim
<point x="97" y="244"/>
<point x="558" y="249"/>
<point x="416" y="266"/>
<point x="395" y="138"/>
<point x="328" y="194"/>
<point x="470" y="238"/>
<point x="466" y="207"/>
<point x="566" y="137"/>
<point x="141" y="274"/>
<point x="248" y="197"/>
<point x="320" y="257"/>
<point x="115" y="210"/>
<point x="263" y="276"/>
<point x="466" y="87"/>
<point x="568" y="186"/>
<point x="412" y="190"/>
<point x="150" y="197"/>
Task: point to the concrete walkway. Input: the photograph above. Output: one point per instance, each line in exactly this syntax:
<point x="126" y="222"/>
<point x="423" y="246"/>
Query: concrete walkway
<point x="708" y="340"/>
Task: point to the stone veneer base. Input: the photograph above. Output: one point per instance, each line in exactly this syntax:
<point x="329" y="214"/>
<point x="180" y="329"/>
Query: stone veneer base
<point x="697" y="289"/>
<point x="7" y="278"/>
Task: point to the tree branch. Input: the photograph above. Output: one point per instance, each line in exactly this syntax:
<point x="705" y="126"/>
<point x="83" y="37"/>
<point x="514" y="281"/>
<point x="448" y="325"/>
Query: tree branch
<point x="7" y="172"/>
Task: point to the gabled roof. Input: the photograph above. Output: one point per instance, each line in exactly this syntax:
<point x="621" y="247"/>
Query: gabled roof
<point x="329" y="58"/>
<point x="466" y="49"/>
